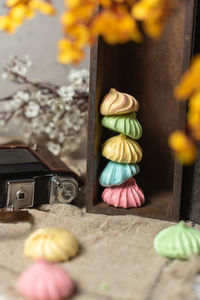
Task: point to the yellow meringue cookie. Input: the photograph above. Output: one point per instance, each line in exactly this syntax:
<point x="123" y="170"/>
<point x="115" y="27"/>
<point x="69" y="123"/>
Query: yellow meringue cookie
<point x="116" y="103"/>
<point x="52" y="244"/>
<point x="122" y="149"/>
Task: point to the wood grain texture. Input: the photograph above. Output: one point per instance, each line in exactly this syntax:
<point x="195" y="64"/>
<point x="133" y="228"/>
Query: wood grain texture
<point x="149" y="71"/>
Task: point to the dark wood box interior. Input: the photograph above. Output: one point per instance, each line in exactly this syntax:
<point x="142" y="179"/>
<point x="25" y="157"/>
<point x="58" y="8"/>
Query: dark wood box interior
<point x="148" y="71"/>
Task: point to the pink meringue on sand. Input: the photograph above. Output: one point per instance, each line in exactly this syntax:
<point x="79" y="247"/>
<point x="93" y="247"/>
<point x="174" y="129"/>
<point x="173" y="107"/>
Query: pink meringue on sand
<point x="45" y="281"/>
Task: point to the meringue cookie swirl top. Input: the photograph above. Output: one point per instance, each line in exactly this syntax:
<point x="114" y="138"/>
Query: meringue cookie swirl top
<point x="116" y="103"/>
<point x="115" y="174"/>
<point x="122" y="149"/>
<point x="126" y="195"/>
<point x="178" y="241"/>
<point x="52" y="244"/>
<point x="126" y="124"/>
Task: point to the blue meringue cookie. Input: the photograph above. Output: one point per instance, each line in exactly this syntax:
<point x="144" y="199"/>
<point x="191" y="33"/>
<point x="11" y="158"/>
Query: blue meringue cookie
<point x="117" y="173"/>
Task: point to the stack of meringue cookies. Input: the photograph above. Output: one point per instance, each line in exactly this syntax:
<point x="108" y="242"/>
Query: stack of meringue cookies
<point x="121" y="190"/>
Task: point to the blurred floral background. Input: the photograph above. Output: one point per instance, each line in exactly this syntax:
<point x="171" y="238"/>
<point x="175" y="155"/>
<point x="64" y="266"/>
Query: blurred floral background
<point x="48" y="114"/>
<point x="41" y="101"/>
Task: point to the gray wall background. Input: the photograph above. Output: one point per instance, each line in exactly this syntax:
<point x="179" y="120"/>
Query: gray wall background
<point x="37" y="38"/>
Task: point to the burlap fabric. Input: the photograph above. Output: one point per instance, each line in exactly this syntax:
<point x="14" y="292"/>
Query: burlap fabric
<point x="116" y="262"/>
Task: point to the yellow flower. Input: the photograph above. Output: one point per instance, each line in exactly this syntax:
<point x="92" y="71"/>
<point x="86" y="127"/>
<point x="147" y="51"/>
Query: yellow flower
<point x="69" y="52"/>
<point x="153" y="14"/>
<point x="196" y="133"/>
<point x="178" y="141"/>
<point x="190" y="81"/>
<point x="18" y="12"/>
<point x="194" y="102"/>
<point x="193" y="118"/>
<point x="153" y="29"/>
<point x="30" y="13"/>
<point x="44" y="7"/>
<point x="72" y="4"/>
<point x="21" y="10"/>
<point x="68" y="18"/>
<point x="187" y="156"/>
<point x="116" y="28"/>
<point x="4" y="22"/>
<point x="79" y="34"/>
<point x="184" y="148"/>
<point x="105" y="3"/>
<point x="81" y="14"/>
<point x="9" y="24"/>
<point x="11" y="3"/>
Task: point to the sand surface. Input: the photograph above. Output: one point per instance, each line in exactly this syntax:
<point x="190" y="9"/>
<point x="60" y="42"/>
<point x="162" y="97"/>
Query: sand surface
<point x="116" y="262"/>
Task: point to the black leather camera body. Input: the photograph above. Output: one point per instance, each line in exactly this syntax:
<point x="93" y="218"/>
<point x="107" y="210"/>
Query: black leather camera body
<point x="31" y="177"/>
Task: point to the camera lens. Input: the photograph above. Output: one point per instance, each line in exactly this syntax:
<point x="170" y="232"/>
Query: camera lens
<point x="21" y="195"/>
<point x="67" y="191"/>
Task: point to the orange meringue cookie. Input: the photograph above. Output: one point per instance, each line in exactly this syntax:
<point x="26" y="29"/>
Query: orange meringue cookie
<point x="116" y="103"/>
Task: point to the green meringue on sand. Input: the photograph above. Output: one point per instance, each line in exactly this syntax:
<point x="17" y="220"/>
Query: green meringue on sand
<point x="179" y="241"/>
<point x="126" y="124"/>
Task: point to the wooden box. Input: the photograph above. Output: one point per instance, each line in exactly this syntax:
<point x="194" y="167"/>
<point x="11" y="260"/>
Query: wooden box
<point x="149" y="71"/>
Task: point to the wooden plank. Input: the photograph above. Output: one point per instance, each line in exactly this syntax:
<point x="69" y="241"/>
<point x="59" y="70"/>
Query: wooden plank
<point x="149" y="71"/>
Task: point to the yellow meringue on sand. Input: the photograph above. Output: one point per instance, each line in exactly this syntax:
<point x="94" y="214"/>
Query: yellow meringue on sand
<point x="52" y="244"/>
<point x="116" y="103"/>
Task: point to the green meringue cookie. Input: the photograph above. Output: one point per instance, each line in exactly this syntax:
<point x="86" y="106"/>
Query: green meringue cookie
<point x="178" y="241"/>
<point x="126" y="124"/>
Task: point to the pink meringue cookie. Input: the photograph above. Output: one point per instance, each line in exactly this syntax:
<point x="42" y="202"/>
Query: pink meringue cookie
<point x="126" y="195"/>
<point x="45" y="281"/>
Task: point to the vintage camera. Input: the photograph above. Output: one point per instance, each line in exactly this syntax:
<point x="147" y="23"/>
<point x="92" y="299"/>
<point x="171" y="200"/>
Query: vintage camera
<point x="31" y="177"/>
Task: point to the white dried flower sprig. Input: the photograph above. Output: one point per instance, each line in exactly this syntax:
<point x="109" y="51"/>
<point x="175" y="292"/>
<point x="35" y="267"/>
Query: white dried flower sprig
<point x="49" y="114"/>
<point x="16" y="69"/>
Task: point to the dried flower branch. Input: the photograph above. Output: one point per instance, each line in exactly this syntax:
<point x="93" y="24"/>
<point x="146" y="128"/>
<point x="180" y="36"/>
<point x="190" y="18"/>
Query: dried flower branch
<point x="49" y="114"/>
